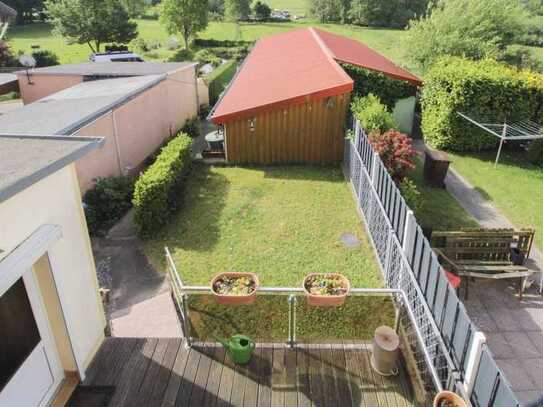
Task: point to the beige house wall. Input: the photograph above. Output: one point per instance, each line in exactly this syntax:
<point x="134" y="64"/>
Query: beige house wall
<point x="56" y="200"/>
<point x="44" y="85"/>
<point x="136" y="129"/>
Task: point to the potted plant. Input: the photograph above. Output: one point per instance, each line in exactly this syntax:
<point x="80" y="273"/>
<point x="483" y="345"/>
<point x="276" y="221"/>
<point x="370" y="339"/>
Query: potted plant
<point x="326" y="289"/>
<point x="447" y="398"/>
<point x="234" y="288"/>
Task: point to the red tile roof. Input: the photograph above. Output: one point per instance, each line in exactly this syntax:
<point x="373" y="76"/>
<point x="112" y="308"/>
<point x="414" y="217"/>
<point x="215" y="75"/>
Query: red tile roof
<point x="296" y="66"/>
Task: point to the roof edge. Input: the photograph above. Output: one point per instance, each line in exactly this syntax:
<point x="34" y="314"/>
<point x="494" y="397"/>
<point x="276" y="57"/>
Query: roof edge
<point x="329" y="54"/>
<point x="24" y="183"/>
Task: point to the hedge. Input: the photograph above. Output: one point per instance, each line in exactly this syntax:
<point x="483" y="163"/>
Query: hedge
<point x="218" y="80"/>
<point x="158" y="190"/>
<point x="387" y="89"/>
<point x="482" y="89"/>
<point x="373" y="115"/>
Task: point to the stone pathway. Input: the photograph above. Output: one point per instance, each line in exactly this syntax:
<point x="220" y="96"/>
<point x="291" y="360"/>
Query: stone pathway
<point x="514" y="328"/>
<point x="139" y="300"/>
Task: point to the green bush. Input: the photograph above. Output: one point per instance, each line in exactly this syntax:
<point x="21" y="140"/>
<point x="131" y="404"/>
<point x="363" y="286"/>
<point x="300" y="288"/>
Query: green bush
<point x="181" y="56"/>
<point x="485" y="90"/>
<point x="218" y="80"/>
<point x="206" y="56"/>
<point x="412" y="195"/>
<point x="387" y="89"/>
<point x="107" y="202"/>
<point x="373" y="115"/>
<point x="45" y="58"/>
<point x="158" y="191"/>
<point x="535" y="152"/>
<point x="191" y="128"/>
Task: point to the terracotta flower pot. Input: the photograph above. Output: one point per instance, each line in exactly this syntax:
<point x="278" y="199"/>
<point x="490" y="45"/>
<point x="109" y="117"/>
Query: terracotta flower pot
<point x="447" y="398"/>
<point x="326" y="300"/>
<point x="235" y="299"/>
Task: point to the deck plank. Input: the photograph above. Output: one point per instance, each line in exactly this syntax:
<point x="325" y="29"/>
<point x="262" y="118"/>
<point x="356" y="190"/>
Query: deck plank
<point x="100" y="361"/>
<point x="367" y="381"/>
<point x="214" y="379"/>
<point x="238" y="385"/>
<point x="165" y="371"/>
<point x="176" y="377"/>
<point x="202" y="374"/>
<point x="250" y="397"/>
<point x="352" y="375"/>
<point x="227" y="380"/>
<point x="329" y="381"/>
<point x="304" y="389"/>
<point x="343" y="381"/>
<point x="265" y="376"/>
<point x="278" y="376"/>
<point x="315" y="377"/>
<point x="189" y="374"/>
<point x="291" y="396"/>
<point x="146" y="388"/>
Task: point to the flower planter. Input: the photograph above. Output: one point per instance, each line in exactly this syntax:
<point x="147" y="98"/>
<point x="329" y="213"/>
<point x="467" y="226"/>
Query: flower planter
<point x="234" y="288"/>
<point x="447" y="398"/>
<point x="326" y="289"/>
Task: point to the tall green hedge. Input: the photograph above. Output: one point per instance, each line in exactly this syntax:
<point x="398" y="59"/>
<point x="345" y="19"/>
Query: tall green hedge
<point x="219" y="79"/>
<point x="158" y="190"/>
<point x="388" y="90"/>
<point x="485" y="90"/>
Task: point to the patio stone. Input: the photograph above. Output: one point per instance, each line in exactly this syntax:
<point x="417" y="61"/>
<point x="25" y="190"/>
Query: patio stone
<point x="537" y="339"/>
<point x="483" y="320"/>
<point x="521" y="344"/>
<point x="526" y="397"/>
<point x="515" y="371"/>
<point x="499" y="346"/>
<point x="535" y="370"/>
<point x="504" y="319"/>
<point x="527" y="321"/>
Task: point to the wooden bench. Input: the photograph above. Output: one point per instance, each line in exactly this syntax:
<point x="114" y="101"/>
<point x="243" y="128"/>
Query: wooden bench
<point x="484" y="253"/>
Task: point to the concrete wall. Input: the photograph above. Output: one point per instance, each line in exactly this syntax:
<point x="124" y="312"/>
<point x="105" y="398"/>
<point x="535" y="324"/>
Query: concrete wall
<point x="56" y="200"/>
<point x="203" y="92"/>
<point x="44" y="85"/>
<point x="136" y="129"/>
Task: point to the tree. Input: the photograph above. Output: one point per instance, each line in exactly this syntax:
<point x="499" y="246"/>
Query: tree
<point x="187" y="17"/>
<point x="92" y="22"/>
<point x="326" y="10"/>
<point x="25" y="9"/>
<point x="237" y="10"/>
<point x="471" y="28"/>
<point x="372" y="12"/>
<point x="262" y="10"/>
<point x="135" y="8"/>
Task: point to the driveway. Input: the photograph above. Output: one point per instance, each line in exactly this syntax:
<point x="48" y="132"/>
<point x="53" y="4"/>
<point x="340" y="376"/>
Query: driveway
<point x="140" y="304"/>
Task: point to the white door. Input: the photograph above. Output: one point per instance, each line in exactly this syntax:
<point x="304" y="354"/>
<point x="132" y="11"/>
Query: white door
<point x="30" y="372"/>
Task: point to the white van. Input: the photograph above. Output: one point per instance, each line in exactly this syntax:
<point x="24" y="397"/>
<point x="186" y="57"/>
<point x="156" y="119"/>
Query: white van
<point x="115" y="56"/>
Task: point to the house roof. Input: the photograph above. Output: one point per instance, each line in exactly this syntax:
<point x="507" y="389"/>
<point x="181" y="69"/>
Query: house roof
<point x="111" y="68"/>
<point x="65" y="112"/>
<point x="292" y="67"/>
<point x="25" y="160"/>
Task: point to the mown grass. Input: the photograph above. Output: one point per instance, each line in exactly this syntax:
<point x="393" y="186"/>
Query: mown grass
<point x="280" y="223"/>
<point x="440" y="210"/>
<point x="22" y="38"/>
<point x="515" y="187"/>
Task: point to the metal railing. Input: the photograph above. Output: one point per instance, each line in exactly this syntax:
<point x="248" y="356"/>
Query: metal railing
<point x="409" y="264"/>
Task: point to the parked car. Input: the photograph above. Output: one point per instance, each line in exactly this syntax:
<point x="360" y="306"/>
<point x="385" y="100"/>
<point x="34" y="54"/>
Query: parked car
<point x="115" y="56"/>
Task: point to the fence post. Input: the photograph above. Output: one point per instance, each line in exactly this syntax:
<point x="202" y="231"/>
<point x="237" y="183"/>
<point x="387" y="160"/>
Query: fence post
<point x="291" y="320"/>
<point x="376" y="158"/>
<point x="409" y="233"/>
<point x="474" y="359"/>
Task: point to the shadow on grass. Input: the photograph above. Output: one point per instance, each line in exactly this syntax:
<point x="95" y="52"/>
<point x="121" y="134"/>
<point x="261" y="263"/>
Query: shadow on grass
<point x="328" y="173"/>
<point x="195" y="227"/>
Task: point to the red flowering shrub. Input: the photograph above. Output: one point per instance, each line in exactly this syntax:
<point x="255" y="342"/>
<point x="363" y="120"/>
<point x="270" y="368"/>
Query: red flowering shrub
<point x="396" y="151"/>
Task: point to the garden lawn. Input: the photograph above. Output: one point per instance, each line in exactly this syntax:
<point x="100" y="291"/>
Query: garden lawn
<point x="280" y="223"/>
<point x="440" y="210"/>
<point x="515" y="187"/>
<point x="387" y="41"/>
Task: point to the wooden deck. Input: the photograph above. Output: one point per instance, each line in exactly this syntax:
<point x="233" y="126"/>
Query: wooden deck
<point x="163" y="372"/>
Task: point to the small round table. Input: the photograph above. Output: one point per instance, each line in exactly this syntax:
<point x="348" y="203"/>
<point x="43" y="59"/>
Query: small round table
<point x="215" y="140"/>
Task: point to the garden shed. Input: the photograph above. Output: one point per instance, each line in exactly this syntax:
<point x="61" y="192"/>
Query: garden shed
<point x="289" y="100"/>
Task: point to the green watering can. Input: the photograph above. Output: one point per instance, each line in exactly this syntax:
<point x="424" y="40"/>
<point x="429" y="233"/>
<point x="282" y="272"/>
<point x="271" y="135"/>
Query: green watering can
<point x="239" y="347"/>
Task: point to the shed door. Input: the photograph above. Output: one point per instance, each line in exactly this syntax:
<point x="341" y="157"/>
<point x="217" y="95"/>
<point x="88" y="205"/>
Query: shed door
<point x="29" y="369"/>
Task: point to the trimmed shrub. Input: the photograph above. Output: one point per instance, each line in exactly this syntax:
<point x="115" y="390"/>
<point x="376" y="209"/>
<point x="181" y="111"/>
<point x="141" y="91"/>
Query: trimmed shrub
<point x="535" y="152"/>
<point x="191" y="128"/>
<point x="387" y="89"/>
<point x="158" y="191"/>
<point x="396" y="152"/>
<point x="412" y="195"/>
<point x="181" y="56"/>
<point x="45" y="58"/>
<point x="218" y="80"/>
<point x="206" y="56"/>
<point x="107" y="202"/>
<point x="483" y="89"/>
<point x="373" y="115"/>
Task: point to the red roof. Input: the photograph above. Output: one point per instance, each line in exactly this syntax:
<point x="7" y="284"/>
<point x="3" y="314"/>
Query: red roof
<point x="294" y="67"/>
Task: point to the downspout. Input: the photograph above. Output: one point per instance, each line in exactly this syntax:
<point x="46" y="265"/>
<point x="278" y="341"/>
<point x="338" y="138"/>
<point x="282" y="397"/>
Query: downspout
<point x="116" y="140"/>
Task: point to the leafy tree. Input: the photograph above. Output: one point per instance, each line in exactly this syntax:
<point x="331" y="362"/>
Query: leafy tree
<point x="7" y="59"/>
<point x="135" y="7"/>
<point x="237" y="10"/>
<point x="187" y="17"/>
<point x="216" y="7"/>
<point x="471" y="28"/>
<point x="262" y="10"/>
<point x="25" y="9"/>
<point x="326" y="10"/>
<point x="372" y="12"/>
<point x="92" y="22"/>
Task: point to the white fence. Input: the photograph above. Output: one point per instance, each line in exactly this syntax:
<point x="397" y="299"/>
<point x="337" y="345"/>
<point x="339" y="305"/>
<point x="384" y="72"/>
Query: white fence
<point x="456" y="348"/>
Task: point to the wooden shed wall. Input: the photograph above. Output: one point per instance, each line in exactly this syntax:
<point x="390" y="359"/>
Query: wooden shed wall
<point x="312" y="132"/>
